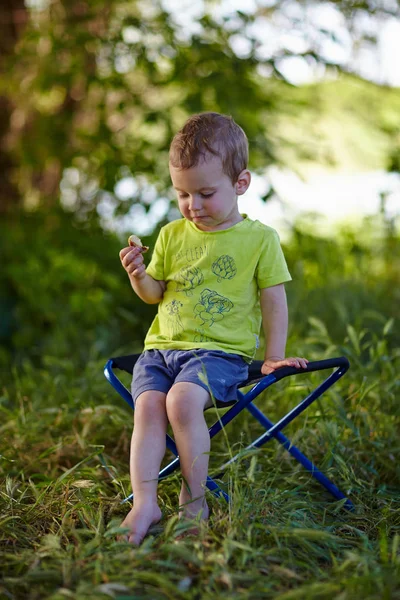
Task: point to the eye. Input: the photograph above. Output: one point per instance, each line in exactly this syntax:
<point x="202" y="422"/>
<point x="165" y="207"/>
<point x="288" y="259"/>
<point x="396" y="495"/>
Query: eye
<point x="207" y="195"/>
<point x="181" y="195"/>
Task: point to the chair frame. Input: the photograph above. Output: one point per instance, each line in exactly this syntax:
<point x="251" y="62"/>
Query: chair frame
<point x="259" y="383"/>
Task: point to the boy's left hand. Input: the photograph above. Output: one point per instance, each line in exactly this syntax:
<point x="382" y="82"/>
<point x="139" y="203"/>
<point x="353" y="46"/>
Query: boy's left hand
<point x="271" y="364"/>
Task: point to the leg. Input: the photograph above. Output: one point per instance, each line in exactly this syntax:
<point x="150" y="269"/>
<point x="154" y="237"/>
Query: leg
<point x="185" y="409"/>
<point x="147" y="451"/>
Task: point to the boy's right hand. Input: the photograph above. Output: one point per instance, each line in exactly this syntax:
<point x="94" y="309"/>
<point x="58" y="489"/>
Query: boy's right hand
<point x="132" y="261"/>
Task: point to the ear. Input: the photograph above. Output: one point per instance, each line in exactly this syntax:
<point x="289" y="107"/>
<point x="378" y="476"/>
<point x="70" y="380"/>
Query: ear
<point x="243" y="182"/>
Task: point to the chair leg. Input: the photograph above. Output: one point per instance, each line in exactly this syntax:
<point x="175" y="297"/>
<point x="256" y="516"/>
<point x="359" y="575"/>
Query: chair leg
<point x="210" y="483"/>
<point x="299" y="456"/>
<point x="216" y="490"/>
<point x="274" y="429"/>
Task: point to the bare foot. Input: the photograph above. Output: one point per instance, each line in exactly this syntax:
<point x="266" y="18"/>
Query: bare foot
<point x="197" y="511"/>
<point x="139" y="520"/>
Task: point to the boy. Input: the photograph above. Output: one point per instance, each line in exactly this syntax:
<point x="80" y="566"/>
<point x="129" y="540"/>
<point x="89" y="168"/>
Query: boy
<point x="214" y="274"/>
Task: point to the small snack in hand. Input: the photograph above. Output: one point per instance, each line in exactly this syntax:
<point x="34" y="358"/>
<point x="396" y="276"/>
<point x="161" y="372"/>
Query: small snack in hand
<point x="134" y="240"/>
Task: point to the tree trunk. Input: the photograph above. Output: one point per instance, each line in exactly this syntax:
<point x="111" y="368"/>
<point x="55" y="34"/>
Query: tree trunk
<point x="13" y="16"/>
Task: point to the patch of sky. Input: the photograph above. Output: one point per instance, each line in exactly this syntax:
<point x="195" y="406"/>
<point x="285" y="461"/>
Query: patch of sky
<point x="300" y="27"/>
<point x="333" y="198"/>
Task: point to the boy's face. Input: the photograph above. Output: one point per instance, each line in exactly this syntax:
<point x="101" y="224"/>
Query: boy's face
<point x="206" y="195"/>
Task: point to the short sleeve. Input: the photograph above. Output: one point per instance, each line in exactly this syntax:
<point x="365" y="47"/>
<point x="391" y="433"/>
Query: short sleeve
<point x="272" y="268"/>
<point x="156" y="268"/>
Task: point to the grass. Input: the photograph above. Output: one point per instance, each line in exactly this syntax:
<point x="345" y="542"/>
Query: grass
<point x="64" y="457"/>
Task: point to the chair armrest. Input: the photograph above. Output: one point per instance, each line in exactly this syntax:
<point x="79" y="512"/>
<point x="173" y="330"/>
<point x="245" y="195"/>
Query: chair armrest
<point x="317" y="365"/>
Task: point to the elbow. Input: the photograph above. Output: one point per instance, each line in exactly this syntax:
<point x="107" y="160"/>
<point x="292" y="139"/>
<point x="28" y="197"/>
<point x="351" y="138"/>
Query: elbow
<point x="152" y="300"/>
<point x="149" y="299"/>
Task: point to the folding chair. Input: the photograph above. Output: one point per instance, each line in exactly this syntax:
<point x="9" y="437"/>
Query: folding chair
<point x="259" y="383"/>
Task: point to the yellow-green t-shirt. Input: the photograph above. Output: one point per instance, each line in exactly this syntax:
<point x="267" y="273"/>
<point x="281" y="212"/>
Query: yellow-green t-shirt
<point x="213" y="279"/>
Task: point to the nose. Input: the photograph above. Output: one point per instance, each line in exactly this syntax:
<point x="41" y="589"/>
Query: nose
<point x="194" y="203"/>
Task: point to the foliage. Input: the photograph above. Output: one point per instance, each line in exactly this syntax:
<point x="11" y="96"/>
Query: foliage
<point x="64" y="293"/>
<point x="350" y="280"/>
<point x="122" y="83"/>
<point x="343" y="124"/>
<point x="100" y="87"/>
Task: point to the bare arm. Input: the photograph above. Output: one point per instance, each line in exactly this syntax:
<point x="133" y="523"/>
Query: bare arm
<point x="275" y="325"/>
<point x="148" y="289"/>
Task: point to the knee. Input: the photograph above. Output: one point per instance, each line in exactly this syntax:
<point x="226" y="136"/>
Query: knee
<point x="177" y="410"/>
<point x="150" y="407"/>
<point x="182" y="407"/>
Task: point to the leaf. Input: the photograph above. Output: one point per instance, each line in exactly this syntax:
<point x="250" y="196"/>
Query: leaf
<point x="72" y="469"/>
<point x="83" y="483"/>
<point x="319" y="326"/>
<point x="351" y="332"/>
<point x="110" y="589"/>
<point x="285" y="572"/>
<point x="388" y="326"/>
<point x="252" y="468"/>
<point x="50" y="542"/>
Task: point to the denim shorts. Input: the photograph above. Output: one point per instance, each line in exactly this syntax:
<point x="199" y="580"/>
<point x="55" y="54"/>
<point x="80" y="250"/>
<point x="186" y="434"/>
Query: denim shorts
<point x="213" y="370"/>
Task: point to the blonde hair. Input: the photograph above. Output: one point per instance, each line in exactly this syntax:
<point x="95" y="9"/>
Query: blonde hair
<point x="210" y="133"/>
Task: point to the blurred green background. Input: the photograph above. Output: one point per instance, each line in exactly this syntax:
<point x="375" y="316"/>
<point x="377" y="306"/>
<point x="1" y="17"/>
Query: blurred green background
<point x="91" y="93"/>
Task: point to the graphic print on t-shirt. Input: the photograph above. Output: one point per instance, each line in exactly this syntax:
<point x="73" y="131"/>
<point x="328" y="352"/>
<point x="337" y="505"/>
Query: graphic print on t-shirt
<point x="174" y="321"/>
<point x="211" y="307"/>
<point x="192" y="253"/>
<point x="224" y="267"/>
<point x="188" y="279"/>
